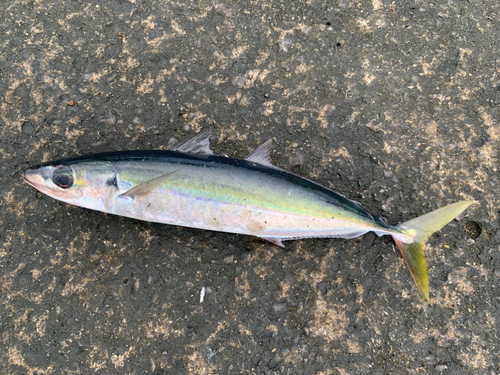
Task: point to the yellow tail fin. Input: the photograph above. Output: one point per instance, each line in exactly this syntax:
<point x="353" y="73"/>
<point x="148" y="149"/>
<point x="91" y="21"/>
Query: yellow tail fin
<point x="420" y="229"/>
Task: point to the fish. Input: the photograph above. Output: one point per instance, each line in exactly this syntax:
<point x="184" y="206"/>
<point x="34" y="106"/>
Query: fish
<point x="189" y="186"/>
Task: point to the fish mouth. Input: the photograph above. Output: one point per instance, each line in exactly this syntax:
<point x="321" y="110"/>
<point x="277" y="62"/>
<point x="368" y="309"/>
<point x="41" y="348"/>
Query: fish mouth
<point x="34" y="177"/>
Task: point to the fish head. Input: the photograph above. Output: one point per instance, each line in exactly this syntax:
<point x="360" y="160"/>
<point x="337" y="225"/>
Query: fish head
<point x="71" y="183"/>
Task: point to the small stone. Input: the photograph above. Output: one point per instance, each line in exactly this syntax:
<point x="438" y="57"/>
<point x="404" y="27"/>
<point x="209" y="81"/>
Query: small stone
<point x="275" y="362"/>
<point x="173" y="141"/>
<point x="121" y="350"/>
<point x="369" y="239"/>
<point x="297" y="159"/>
<point x="280" y="308"/>
<point x="441" y="368"/>
<point x="254" y="362"/>
<point x="28" y="129"/>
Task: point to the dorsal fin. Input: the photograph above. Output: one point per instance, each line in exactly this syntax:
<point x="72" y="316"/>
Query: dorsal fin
<point x="199" y="144"/>
<point x="261" y="155"/>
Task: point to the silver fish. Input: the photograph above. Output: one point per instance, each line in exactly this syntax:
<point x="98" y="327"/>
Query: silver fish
<point x="189" y="186"/>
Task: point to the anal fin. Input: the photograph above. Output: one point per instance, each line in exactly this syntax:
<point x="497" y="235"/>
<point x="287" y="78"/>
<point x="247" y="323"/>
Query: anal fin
<point x="274" y="240"/>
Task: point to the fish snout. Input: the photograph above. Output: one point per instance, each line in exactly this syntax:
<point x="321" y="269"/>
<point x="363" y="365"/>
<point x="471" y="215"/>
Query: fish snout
<point x="35" y="176"/>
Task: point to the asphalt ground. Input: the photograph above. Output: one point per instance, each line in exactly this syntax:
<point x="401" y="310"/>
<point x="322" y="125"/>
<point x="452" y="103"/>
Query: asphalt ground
<point x="393" y="104"/>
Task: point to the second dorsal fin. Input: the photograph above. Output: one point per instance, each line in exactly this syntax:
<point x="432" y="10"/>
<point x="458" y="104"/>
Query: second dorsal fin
<point x="261" y="155"/>
<point x="199" y="144"/>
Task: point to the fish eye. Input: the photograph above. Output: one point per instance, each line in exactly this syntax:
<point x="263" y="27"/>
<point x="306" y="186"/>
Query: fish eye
<point x="63" y="177"/>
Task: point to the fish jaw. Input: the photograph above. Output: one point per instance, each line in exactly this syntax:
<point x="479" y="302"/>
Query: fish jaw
<point x="37" y="177"/>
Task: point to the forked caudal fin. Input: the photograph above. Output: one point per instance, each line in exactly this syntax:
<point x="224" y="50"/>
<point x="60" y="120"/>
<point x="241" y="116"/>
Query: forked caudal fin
<point x="420" y="229"/>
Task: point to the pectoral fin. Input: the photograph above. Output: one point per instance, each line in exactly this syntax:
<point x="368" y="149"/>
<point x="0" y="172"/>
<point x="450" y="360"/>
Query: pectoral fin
<point x="148" y="186"/>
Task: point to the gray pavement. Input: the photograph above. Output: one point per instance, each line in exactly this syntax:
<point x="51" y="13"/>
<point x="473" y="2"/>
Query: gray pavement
<point x="393" y="104"/>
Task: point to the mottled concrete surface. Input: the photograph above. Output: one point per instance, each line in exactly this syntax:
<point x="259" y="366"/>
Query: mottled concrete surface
<point x="394" y="104"/>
